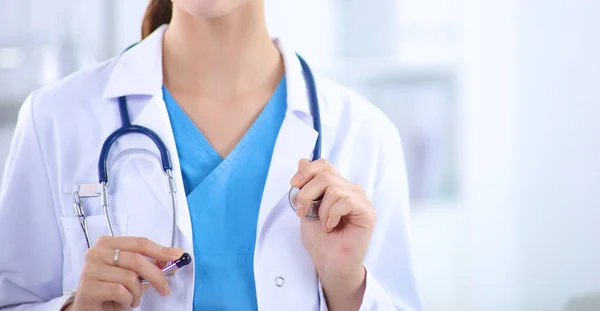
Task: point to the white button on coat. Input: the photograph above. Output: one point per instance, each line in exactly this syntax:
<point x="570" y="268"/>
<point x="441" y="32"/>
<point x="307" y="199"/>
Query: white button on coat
<point x="279" y="281"/>
<point x="56" y="146"/>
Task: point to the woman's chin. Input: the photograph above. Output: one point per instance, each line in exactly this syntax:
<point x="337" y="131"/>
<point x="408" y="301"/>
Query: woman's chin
<point x="209" y="9"/>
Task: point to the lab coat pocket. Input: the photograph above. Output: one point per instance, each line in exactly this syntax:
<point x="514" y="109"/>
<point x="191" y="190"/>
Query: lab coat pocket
<point x="75" y="245"/>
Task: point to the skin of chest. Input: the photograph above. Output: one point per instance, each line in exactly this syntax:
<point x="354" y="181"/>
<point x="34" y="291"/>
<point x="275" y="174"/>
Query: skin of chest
<point x="224" y="121"/>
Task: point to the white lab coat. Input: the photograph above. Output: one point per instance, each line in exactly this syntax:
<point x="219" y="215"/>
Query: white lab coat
<point x="56" y="145"/>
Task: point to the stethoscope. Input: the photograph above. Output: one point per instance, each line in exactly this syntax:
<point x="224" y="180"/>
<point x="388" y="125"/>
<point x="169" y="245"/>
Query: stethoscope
<point x="165" y="159"/>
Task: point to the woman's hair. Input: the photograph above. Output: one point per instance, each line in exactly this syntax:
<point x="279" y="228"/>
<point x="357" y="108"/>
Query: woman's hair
<point x="158" y="13"/>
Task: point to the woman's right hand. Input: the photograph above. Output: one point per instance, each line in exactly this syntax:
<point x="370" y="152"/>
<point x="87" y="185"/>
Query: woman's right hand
<point x="105" y="286"/>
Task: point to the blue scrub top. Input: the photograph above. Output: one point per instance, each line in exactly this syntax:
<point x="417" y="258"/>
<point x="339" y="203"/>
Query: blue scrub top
<point x="224" y="197"/>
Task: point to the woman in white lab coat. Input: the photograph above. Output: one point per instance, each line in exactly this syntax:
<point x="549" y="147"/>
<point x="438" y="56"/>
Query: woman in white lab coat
<point x="214" y="78"/>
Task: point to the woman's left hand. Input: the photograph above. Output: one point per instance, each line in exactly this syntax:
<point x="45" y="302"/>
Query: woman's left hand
<point x="338" y="241"/>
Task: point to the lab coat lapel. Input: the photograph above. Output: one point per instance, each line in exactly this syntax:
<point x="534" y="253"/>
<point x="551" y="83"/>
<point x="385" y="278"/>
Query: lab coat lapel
<point x="296" y="139"/>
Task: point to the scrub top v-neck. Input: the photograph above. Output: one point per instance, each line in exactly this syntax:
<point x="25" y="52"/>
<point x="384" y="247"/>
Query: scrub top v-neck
<point x="224" y="196"/>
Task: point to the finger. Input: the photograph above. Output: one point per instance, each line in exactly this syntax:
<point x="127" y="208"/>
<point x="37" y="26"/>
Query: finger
<point x="341" y="208"/>
<point x="105" y="292"/>
<point x="141" y="246"/>
<point x="332" y="195"/>
<point x="355" y="209"/>
<point x="139" y="264"/>
<point x="315" y="189"/>
<point x="124" y="277"/>
<point x="120" y="294"/>
<point x="307" y="171"/>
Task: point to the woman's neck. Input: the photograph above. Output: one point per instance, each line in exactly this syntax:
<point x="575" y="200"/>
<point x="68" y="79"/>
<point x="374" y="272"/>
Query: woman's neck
<point x="220" y="58"/>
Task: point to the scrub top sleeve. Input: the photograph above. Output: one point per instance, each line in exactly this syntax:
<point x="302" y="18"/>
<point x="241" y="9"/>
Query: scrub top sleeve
<point x="31" y="256"/>
<point x="391" y="280"/>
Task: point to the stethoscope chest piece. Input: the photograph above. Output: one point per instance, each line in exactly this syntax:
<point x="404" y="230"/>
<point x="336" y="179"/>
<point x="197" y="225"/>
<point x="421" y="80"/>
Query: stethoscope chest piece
<point x="313" y="212"/>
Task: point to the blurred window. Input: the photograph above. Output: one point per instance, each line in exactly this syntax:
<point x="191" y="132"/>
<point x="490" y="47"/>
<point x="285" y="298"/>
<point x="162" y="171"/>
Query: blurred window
<point x="402" y="55"/>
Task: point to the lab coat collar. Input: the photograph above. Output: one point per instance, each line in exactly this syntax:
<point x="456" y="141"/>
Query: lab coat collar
<point x="138" y="71"/>
<point x="297" y="90"/>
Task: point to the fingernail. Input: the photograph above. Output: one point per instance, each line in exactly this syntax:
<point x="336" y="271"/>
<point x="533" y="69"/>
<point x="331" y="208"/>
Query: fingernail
<point x="176" y="252"/>
<point x="329" y="224"/>
<point x="324" y="227"/>
<point x="166" y="290"/>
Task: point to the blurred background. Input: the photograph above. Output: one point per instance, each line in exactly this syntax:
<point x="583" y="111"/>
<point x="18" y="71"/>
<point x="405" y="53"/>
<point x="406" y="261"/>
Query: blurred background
<point x="498" y="103"/>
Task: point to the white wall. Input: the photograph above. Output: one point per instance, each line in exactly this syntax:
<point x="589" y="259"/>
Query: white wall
<point x="6" y="132"/>
<point x="531" y="122"/>
<point x="467" y="254"/>
<point x="489" y="155"/>
<point x="308" y="25"/>
<point x="129" y="22"/>
<point x="559" y="151"/>
<point x="439" y="241"/>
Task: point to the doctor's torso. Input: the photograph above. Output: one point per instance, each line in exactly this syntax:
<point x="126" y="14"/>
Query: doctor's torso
<point x="73" y="118"/>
